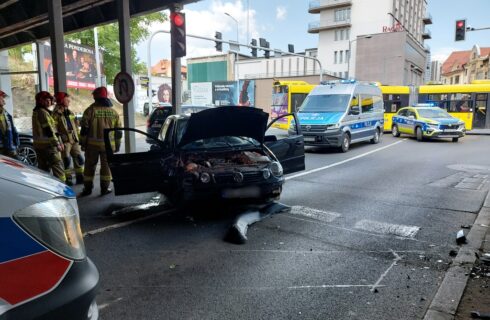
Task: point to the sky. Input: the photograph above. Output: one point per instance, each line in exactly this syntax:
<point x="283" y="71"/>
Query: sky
<point x="286" y="22"/>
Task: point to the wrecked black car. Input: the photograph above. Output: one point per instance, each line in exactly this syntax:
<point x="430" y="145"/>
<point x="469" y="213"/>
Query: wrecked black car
<point x="220" y="153"/>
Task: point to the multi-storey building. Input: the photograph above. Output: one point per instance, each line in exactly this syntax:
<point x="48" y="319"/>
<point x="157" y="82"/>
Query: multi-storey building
<point x="462" y="67"/>
<point x="343" y="24"/>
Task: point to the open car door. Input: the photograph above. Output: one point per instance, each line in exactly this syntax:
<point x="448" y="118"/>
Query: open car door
<point x="139" y="171"/>
<point x="287" y="146"/>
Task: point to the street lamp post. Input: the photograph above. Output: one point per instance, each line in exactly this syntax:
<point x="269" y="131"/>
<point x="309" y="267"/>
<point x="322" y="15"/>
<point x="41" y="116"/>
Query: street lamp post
<point x="350" y="51"/>
<point x="237" y="41"/>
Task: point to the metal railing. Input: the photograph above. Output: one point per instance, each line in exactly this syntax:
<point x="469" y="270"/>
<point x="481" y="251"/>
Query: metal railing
<point x="319" y="25"/>
<point x="318" y="4"/>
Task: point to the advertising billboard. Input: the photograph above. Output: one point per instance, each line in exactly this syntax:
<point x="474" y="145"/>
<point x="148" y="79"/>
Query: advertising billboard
<point x="81" y="72"/>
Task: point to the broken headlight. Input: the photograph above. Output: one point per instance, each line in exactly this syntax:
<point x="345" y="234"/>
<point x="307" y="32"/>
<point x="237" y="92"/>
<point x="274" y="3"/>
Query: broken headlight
<point x="276" y="169"/>
<point x="266" y="173"/>
<point x="205" y="177"/>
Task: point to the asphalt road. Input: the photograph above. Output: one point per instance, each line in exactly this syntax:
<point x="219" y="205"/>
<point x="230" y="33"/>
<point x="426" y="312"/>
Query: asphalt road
<point x="369" y="237"/>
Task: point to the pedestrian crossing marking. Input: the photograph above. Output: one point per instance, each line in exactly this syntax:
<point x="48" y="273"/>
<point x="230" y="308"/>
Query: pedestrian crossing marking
<point x="325" y="216"/>
<point x="387" y="228"/>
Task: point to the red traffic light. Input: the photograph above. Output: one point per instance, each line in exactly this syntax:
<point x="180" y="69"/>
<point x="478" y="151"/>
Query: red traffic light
<point x="460" y="24"/>
<point x="177" y="19"/>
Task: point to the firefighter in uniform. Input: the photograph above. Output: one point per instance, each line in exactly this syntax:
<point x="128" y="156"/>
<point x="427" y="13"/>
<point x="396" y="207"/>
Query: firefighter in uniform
<point x="67" y="128"/>
<point x="9" y="138"/>
<point x="46" y="141"/>
<point x="99" y="116"/>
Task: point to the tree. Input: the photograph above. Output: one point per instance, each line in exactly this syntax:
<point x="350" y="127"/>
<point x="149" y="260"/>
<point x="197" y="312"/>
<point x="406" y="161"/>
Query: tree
<point x="109" y="42"/>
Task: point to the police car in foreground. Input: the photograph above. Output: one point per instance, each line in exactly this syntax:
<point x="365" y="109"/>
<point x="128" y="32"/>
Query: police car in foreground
<point x="339" y="113"/>
<point x="44" y="272"/>
<point x="426" y="121"/>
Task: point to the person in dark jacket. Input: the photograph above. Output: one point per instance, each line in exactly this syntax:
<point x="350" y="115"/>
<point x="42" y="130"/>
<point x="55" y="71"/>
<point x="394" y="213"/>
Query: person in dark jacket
<point x="9" y="138"/>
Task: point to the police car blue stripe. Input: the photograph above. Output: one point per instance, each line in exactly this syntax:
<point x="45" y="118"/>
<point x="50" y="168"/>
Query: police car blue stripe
<point x="15" y="243"/>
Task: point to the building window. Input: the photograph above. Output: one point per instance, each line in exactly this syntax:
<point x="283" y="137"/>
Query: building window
<point x="335" y="54"/>
<point x="347" y="32"/>
<point x="342" y="34"/>
<point x="342" y="14"/>
<point x="336" y="35"/>
<point x="341" y="56"/>
<point x="456" y="80"/>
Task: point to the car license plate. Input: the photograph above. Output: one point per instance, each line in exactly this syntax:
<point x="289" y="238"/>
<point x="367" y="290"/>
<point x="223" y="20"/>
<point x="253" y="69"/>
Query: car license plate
<point x="451" y="130"/>
<point x="310" y="139"/>
<point x="246" y="192"/>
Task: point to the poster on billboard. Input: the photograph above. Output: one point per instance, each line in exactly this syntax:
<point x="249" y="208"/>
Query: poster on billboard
<point x="81" y="72"/>
<point x="225" y="93"/>
<point x="164" y="94"/>
<point x="247" y="93"/>
<point x="201" y="93"/>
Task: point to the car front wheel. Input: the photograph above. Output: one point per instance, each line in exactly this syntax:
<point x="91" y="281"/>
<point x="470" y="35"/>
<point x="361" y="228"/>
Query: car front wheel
<point x="394" y="131"/>
<point x="419" y="134"/>
<point x="344" y="147"/>
<point x="27" y="154"/>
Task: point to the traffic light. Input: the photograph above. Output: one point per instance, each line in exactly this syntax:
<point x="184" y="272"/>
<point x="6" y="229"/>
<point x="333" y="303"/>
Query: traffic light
<point x="460" y="30"/>
<point x="265" y="44"/>
<point x="219" y="44"/>
<point x="177" y="30"/>
<point x="254" y="50"/>
<point x="291" y="48"/>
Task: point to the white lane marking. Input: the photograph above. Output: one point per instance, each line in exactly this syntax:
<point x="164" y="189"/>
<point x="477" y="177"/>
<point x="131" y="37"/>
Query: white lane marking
<point x="357" y="231"/>
<point x="395" y="261"/>
<point x="343" y="161"/>
<point x="387" y="228"/>
<point x="322" y="286"/>
<point x="326" y="216"/>
<point x="125" y="223"/>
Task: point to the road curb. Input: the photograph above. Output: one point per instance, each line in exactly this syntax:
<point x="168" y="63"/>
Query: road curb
<point x="446" y="301"/>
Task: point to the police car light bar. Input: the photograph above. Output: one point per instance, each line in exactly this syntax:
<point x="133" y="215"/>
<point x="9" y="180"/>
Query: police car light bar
<point x="427" y="104"/>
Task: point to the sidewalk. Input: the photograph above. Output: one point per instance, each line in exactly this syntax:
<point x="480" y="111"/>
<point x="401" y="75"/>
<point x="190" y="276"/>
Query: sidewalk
<point x="476" y="297"/>
<point x="479" y="132"/>
<point x="465" y="287"/>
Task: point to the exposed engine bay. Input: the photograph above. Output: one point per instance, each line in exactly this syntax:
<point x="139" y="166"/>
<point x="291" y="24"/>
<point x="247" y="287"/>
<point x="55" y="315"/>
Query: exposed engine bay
<point x="197" y="162"/>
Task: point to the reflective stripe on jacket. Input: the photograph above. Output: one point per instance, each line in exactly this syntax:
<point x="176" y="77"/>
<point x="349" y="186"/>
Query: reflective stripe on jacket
<point x="9" y="138"/>
<point x="95" y="119"/>
<point x="43" y="128"/>
<point x="66" y="125"/>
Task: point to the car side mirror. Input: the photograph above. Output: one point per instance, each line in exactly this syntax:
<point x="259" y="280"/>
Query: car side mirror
<point x="354" y="110"/>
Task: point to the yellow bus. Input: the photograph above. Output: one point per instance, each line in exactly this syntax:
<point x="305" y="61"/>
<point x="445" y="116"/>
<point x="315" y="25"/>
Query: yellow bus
<point x="287" y="97"/>
<point x="394" y="98"/>
<point x="467" y="102"/>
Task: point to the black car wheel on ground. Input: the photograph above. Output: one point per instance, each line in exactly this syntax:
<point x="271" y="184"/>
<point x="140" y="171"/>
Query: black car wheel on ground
<point x="344" y="147"/>
<point x="419" y="134"/>
<point x="376" y="137"/>
<point x="455" y="139"/>
<point x="394" y="131"/>
<point x="27" y="154"/>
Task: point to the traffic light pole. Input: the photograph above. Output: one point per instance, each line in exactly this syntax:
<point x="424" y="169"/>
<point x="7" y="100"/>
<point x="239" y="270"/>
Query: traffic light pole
<point x="247" y="46"/>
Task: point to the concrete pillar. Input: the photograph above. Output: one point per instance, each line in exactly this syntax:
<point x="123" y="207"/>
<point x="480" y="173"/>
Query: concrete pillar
<point x="57" y="44"/>
<point x="125" y="50"/>
<point x="41" y="71"/>
<point x="5" y="83"/>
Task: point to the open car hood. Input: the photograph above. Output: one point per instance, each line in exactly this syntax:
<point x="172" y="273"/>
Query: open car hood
<point x="226" y="121"/>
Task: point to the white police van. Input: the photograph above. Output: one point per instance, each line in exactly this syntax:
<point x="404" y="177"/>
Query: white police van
<point x="339" y="113"/>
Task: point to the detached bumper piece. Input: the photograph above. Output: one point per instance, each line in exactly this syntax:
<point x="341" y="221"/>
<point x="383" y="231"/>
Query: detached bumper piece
<point x="237" y="234"/>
